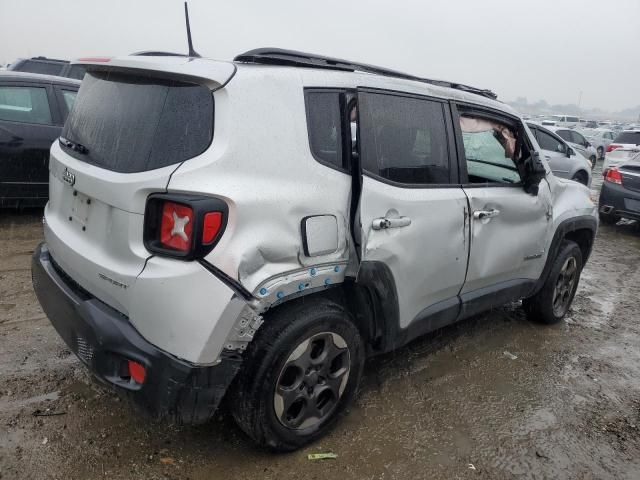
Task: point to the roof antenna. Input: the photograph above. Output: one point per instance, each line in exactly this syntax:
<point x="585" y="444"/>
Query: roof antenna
<point x="192" y="52"/>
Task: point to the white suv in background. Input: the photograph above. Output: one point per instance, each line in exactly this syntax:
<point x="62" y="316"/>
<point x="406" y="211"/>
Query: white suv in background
<point x="213" y="229"/>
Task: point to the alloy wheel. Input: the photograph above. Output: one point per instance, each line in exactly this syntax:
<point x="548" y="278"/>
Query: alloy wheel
<point x="312" y="381"/>
<point x="564" y="287"/>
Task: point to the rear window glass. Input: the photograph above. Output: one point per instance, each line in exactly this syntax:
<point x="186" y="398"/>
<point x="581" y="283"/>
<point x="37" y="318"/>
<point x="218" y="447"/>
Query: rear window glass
<point x="132" y="124"/>
<point x="77" y="72"/>
<point x="324" y="125"/>
<point x="45" y="68"/>
<point x="628" y="137"/>
<point x="25" y="104"/>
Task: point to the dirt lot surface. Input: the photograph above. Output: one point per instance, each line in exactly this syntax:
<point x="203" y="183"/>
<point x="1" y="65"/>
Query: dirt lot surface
<point x="492" y="397"/>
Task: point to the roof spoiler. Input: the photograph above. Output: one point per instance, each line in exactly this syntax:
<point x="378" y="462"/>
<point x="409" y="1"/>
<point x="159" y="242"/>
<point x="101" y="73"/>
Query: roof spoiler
<point x="292" y="58"/>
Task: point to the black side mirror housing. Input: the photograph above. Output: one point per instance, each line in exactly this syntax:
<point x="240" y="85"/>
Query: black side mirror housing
<point x="570" y="152"/>
<point x="534" y="173"/>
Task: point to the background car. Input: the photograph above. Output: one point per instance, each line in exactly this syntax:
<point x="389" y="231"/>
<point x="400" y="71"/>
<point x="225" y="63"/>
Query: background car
<point x="620" y="193"/>
<point x="33" y="109"/>
<point x="600" y="138"/>
<point x="619" y="156"/>
<point x="564" y="161"/>
<point x="625" y="139"/>
<point x="577" y="141"/>
<point x="48" y="66"/>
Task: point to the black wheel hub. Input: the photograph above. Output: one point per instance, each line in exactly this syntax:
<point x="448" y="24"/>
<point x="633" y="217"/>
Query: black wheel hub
<point x="312" y="381"/>
<point x="564" y="286"/>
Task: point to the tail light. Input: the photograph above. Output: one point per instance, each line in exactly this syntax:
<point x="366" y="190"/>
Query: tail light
<point x="612" y="146"/>
<point x="183" y="226"/>
<point x="613" y="176"/>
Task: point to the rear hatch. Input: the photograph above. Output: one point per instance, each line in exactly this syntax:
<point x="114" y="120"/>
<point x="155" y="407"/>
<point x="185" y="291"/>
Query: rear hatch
<point x="135" y="120"/>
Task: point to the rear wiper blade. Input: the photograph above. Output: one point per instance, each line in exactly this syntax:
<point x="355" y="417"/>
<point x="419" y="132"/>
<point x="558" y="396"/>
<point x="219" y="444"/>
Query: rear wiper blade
<point x="76" y="147"/>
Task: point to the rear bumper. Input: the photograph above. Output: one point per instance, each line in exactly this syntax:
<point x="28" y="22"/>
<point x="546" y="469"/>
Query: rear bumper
<point x="619" y="201"/>
<point x="104" y="340"/>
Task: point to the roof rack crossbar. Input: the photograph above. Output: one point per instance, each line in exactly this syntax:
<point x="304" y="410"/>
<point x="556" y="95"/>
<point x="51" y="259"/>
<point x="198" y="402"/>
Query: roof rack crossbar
<point x="278" y="56"/>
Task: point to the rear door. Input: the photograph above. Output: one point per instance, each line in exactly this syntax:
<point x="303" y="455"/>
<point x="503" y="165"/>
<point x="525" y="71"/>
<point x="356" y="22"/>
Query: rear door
<point x="29" y="123"/>
<point x="509" y="227"/>
<point x="126" y="134"/>
<point x="412" y="210"/>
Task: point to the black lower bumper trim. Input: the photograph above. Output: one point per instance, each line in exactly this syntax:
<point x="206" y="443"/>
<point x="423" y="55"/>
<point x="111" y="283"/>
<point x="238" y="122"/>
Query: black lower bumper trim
<point x="104" y="340"/>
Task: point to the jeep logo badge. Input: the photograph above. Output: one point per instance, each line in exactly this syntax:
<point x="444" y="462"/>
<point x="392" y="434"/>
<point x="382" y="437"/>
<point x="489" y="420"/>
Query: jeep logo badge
<point x="68" y="177"/>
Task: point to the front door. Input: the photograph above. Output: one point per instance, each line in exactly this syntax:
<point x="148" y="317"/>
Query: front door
<point x="413" y="212"/>
<point x="509" y="227"/>
<point x="27" y="130"/>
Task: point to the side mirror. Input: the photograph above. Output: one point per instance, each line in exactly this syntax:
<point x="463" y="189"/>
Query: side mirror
<point x="587" y="144"/>
<point x="570" y="152"/>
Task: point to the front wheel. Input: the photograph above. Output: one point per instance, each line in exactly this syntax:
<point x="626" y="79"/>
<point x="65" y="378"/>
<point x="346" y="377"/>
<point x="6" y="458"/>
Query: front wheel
<point x="581" y="177"/>
<point x="552" y="302"/>
<point x="300" y="374"/>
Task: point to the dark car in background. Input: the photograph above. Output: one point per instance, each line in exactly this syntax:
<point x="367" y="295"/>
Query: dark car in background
<point x="48" y="66"/>
<point x="620" y="193"/>
<point x="33" y="109"/>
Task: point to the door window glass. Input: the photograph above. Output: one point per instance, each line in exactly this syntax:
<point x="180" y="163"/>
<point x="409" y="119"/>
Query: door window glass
<point x="577" y="138"/>
<point x="489" y="149"/>
<point x="24" y="104"/>
<point x="404" y="139"/>
<point x="564" y="134"/>
<point x="46" y="68"/>
<point x="69" y="97"/>
<point x="549" y="142"/>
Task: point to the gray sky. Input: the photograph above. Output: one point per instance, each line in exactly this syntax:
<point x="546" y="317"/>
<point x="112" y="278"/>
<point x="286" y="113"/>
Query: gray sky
<point x="545" y="49"/>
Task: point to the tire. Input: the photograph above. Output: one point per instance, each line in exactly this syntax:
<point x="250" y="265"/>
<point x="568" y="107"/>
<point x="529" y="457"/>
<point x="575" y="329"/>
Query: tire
<point x="608" y="219"/>
<point x="600" y="152"/>
<point x="549" y="305"/>
<point x="581" y="177"/>
<point x="274" y="397"/>
<point x="593" y="159"/>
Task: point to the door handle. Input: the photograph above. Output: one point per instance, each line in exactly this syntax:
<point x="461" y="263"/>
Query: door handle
<point x="482" y="214"/>
<point x="384" y="223"/>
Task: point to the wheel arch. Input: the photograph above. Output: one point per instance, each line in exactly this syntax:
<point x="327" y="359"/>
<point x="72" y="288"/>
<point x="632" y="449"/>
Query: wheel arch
<point x="581" y="230"/>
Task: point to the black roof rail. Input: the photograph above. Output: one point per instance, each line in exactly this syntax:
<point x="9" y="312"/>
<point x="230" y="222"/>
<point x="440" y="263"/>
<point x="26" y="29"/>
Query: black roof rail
<point x="292" y="58"/>
<point x="49" y="59"/>
<point x="152" y="53"/>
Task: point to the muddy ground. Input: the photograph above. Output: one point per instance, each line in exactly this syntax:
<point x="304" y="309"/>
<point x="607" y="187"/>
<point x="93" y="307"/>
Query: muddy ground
<point x="455" y="404"/>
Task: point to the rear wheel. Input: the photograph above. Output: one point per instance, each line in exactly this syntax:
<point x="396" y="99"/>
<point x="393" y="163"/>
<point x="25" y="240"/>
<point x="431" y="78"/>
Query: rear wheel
<point x="552" y="302"/>
<point x="300" y="374"/>
<point x="581" y="177"/>
<point x="593" y="159"/>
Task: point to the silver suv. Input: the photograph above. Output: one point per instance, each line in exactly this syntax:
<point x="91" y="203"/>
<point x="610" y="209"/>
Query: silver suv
<point x="255" y="229"/>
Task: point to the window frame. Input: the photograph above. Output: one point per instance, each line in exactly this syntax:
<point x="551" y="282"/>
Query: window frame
<point x="486" y="113"/>
<point x="454" y="174"/>
<point x="53" y="107"/>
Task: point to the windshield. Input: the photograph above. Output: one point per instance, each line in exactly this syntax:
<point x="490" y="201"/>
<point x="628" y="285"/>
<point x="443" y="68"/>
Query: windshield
<point x="128" y="123"/>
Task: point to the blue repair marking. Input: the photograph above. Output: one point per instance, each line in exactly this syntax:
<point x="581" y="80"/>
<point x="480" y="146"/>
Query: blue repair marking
<point x="313" y="271"/>
<point x="336" y="268"/>
<point x="301" y="286"/>
<point x="327" y="281"/>
<point x="263" y="291"/>
<point x="280" y="294"/>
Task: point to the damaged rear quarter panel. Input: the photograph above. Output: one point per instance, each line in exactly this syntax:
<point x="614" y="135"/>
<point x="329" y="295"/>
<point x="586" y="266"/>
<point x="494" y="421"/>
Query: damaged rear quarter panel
<point x="258" y="164"/>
